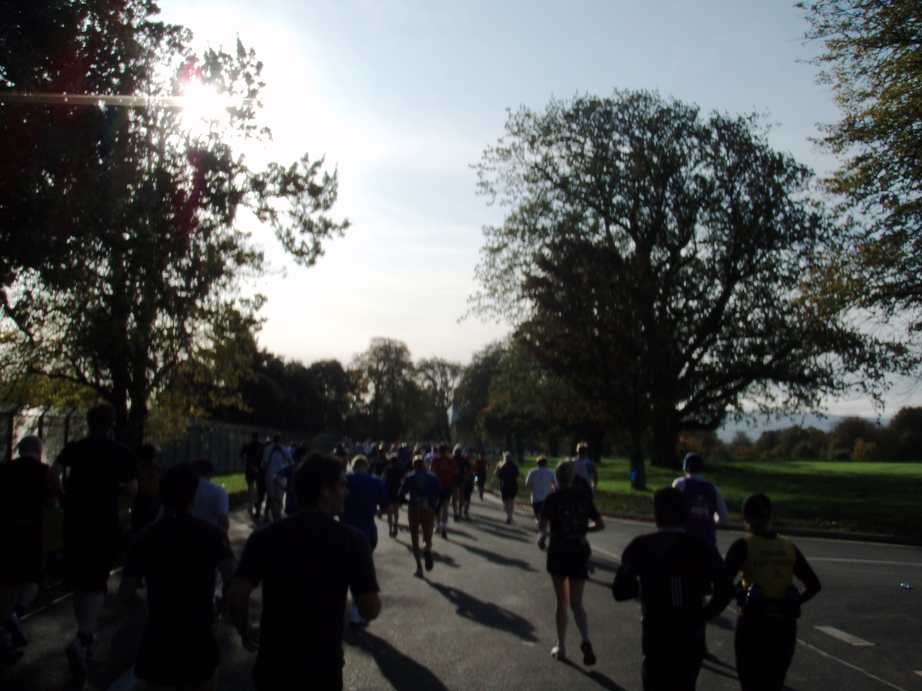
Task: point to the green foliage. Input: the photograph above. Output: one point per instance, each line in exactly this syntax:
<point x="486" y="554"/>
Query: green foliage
<point x="131" y="289"/>
<point x="473" y="390"/>
<point x="656" y="259"/>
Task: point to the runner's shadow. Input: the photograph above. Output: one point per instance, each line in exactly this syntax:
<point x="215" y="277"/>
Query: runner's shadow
<point x="718" y="670"/>
<point x="597" y="677"/>
<point x="495" y="558"/>
<point x="502" y="531"/>
<point x="403" y="672"/>
<point x="486" y="613"/>
<point x="722" y="622"/>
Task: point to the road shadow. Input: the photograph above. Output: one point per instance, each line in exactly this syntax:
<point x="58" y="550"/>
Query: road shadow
<point x="495" y="558"/>
<point x="599" y="678"/>
<point x="720" y="668"/>
<point x="403" y="672"/>
<point x="722" y="622"/>
<point x="486" y="613"/>
<point x="501" y="531"/>
<point x="440" y="558"/>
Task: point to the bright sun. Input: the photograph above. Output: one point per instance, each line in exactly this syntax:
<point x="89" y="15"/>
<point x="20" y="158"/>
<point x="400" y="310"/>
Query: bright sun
<point x="202" y="106"/>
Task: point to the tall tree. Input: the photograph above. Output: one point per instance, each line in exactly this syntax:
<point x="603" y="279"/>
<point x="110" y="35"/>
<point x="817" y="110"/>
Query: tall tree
<point x="138" y="200"/>
<point x="384" y="386"/>
<point x="473" y="391"/>
<point x="661" y="256"/>
<point x="438" y="378"/>
<point x="873" y="61"/>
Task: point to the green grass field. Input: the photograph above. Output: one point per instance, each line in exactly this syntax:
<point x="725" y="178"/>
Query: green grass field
<point x="880" y="498"/>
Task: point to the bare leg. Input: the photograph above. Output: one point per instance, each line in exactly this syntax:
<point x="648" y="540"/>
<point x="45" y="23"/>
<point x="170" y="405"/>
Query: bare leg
<point x="576" y="604"/>
<point x="560" y="614"/>
<point x="87" y="607"/>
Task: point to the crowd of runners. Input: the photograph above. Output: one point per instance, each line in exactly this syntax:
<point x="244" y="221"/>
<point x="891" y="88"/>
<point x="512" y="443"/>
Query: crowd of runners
<point x="315" y="518"/>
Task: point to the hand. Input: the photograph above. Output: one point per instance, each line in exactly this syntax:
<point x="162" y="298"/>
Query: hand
<point x="250" y="638"/>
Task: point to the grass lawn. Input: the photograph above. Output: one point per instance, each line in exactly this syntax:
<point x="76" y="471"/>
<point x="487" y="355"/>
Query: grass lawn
<point x="865" y="497"/>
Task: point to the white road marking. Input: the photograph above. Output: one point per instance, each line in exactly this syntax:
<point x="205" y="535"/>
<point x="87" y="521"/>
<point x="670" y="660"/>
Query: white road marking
<point x="919" y="673"/>
<point x="845" y="637"/>
<point x="851" y="666"/>
<point x="867" y="561"/>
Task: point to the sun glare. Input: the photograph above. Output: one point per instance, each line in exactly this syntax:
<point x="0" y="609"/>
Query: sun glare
<point x="202" y="105"/>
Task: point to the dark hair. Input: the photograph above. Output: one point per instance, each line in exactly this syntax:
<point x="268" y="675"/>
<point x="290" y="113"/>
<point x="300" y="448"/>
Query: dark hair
<point x="147" y="453"/>
<point x="443" y="448"/>
<point x="565" y="472"/>
<point x="203" y="467"/>
<point x="757" y="508"/>
<point x="178" y="486"/>
<point x="669" y="507"/>
<point x="100" y="418"/>
<point x="693" y="463"/>
<point x="319" y="471"/>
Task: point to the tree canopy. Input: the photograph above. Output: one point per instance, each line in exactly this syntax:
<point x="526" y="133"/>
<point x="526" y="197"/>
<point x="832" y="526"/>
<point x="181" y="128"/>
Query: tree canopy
<point x="656" y="259"/>
<point x="127" y="253"/>
<point x="873" y="62"/>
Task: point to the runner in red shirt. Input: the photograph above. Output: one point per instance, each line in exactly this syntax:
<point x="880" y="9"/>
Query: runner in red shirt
<point x="445" y="469"/>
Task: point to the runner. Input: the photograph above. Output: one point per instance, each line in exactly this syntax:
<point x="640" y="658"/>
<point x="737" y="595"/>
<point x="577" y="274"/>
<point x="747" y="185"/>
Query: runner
<point x="542" y="481"/>
<point x="567" y="513"/>
<point x="706" y="505"/>
<point x="211" y="501"/>
<point x="365" y="496"/>
<point x="508" y="474"/>
<point x="24" y="496"/>
<point x="252" y="456"/>
<point x="176" y="557"/>
<point x="769" y="602"/>
<point x="393" y="479"/>
<point x="424" y="495"/>
<point x="99" y="469"/>
<point x="460" y="482"/>
<point x="306" y="565"/>
<point x="275" y="457"/>
<point x="672" y="572"/>
<point x="586" y="472"/>
<point x="445" y="470"/>
<point x="481" y="468"/>
<point x="146" y="503"/>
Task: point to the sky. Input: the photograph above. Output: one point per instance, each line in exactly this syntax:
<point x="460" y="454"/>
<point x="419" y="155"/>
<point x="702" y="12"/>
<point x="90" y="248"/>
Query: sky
<point x="403" y="96"/>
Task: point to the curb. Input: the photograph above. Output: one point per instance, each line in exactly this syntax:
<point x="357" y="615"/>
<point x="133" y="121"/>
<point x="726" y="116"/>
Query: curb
<point x="786" y="530"/>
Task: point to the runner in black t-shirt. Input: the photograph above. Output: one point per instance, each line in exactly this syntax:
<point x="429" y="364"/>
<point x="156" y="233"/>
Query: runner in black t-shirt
<point x="98" y="470"/>
<point x="672" y="572"/>
<point x="24" y="496"/>
<point x="252" y="455"/>
<point x="177" y="557"/>
<point x="306" y="564"/>
<point x="570" y="514"/>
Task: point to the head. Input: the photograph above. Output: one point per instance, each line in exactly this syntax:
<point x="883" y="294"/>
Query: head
<point x="419" y="464"/>
<point x="203" y="467"/>
<point x="178" y="488"/>
<point x="443" y="449"/>
<point x="669" y="507"/>
<point x="582" y="449"/>
<point x="693" y="463"/>
<point x="320" y="483"/>
<point x="507" y="457"/>
<point x="541" y="461"/>
<point x="30" y="447"/>
<point x="757" y="512"/>
<point x="276" y="438"/>
<point x="147" y="454"/>
<point x="457" y="451"/>
<point x="101" y="419"/>
<point x="565" y="473"/>
<point x="359" y="464"/>
<point x="255" y="436"/>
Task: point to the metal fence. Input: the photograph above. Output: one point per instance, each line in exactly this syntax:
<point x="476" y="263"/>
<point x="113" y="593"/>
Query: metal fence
<point x="219" y="442"/>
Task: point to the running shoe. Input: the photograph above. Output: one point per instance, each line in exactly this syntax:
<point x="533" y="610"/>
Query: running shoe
<point x="588" y="655"/>
<point x="17" y="632"/>
<point x="444" y="534"/>
<point x="542" y="543"/>
<point x="419" y="572"/>
<point x="427" y="555"/>
<point x="558" y="652"/>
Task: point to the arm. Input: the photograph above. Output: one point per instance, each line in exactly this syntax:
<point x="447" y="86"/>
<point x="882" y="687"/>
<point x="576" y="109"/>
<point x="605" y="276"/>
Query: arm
<point x="626" y="585"/>
<point x="806" y="575"/>
<point x="55" y="473"/>
<point x="723" y="514"/>
<point x="596" y="525"/>
<point x="368" y="604"/>
<point x="226" y="569"/>
<point x="128" y="590"/>
<point x="595" y="475"/>
<point x="722" y="580"/>
<point x="238" y="604"/>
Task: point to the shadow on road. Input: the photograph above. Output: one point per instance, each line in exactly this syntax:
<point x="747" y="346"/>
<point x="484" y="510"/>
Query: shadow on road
<point x="486" y="613"/>
<point x="495" y="558"/>
<point x="719" y="667"/>
<point x="599" y="678"/>
<point x="403" y="672"/>
<point x="499" y="530"/>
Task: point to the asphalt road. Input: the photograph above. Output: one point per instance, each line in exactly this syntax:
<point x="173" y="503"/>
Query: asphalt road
<point x="484" y="619"/>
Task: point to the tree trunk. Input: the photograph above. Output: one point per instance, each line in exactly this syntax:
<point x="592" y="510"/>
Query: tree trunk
<point x="665" y="440"/>
<point x="638" y="472"/>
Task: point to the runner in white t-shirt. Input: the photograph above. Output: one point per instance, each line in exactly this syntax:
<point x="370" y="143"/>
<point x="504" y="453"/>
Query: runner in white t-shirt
<point x="275" y="457"/>
<point x="542" y="481"/>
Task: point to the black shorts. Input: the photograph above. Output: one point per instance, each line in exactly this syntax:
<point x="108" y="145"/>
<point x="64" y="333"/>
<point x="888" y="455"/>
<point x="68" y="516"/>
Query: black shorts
<point x="508" y="491"/>
<point x="568" y="558"/>
<point x="88" y="559"/>
<point x="536" y="507"/>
